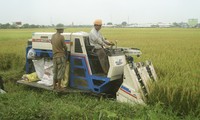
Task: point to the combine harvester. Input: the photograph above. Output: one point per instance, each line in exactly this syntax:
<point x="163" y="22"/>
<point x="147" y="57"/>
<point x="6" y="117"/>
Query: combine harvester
<point x="128" y="81"/>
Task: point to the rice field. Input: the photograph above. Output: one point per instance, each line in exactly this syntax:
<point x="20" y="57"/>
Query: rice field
<point x="174" y="52"/>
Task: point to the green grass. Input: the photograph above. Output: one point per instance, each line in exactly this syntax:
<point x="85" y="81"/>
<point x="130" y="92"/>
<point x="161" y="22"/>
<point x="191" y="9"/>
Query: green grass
<point x="23" y="103"/>
<point x="175" y="54"/>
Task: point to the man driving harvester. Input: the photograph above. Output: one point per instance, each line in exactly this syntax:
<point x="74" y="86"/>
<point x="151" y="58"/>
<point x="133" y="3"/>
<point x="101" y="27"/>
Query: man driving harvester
<point x="98" y="41"/>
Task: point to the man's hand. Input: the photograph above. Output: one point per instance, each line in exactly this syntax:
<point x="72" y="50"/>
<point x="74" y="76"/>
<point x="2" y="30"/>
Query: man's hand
<point x="106" y="46"/>
<point x="112" y="44"/>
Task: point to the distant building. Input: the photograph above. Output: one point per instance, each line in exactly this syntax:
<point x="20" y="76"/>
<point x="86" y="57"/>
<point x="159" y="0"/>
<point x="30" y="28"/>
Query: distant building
<point x="139" y="25"/>
<point x="164" y="25"/>
<point x="150" y="25"/>
<point x="192" y="22"/>
<point x="109" y="25"/>
<point x="17" y="24"/>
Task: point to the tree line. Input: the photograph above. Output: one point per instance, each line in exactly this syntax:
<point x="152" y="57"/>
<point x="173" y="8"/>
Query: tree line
<point x="123" y="24"/>
<point x="14" y="26"/>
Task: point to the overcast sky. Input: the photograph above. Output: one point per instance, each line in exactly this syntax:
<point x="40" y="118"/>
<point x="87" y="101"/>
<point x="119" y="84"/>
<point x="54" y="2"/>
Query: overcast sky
<point x="47" y="12"/>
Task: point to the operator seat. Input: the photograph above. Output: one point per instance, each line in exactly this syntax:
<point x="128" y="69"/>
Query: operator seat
<point x="89" y="48"/>
<point x="93" y="58"/>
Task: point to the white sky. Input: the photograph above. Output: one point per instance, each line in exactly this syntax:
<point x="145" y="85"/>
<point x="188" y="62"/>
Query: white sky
<point x="47" y="12"/>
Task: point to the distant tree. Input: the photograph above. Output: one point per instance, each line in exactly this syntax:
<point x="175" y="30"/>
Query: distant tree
<point x="60" y="25"/>
<point x="154" y="26"/>
<point x="5" y="26"/>
<point x="13" y="26"/>
<point x="176" y="24"/>
<point x="198" y="25"/>
<point x="26" y="25"/>
<point x="42" y="26"/>
<point x="183" y="25"/>
<point x="124" y="23"/>
<point x="109" y="23"/>
<point x="34" y="26"/>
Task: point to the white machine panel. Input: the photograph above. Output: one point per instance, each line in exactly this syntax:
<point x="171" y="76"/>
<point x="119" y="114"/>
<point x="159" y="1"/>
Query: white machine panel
<point x="130" y="91"/>
<point x="43" y="40"/>
<point x="116" y="66"/>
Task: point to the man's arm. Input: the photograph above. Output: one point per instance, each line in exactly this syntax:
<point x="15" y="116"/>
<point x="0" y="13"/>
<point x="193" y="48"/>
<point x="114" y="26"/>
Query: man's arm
<point x="107" y="42"/>
<point x="63" y="43"/>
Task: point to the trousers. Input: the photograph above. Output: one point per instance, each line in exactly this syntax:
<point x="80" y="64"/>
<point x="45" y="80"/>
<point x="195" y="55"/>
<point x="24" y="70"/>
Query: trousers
<point x="59" y="66"/>
<point x="103" y="58"/>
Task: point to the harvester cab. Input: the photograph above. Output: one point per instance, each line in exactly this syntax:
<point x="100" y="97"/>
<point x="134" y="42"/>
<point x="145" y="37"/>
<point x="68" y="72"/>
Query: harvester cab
<point x="127" y="80"/>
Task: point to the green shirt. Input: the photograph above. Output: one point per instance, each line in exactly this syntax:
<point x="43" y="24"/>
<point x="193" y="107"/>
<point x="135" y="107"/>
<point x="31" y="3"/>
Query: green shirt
<point x="58" y="45"/>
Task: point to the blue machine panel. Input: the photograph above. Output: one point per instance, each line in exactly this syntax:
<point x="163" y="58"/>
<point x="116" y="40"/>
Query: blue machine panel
<point x="80" y="77"/>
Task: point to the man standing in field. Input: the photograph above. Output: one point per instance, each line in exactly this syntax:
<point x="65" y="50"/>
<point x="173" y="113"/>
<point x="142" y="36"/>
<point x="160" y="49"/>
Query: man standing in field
<point x="98" y="41"/>
<point x="59" y="57"/>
